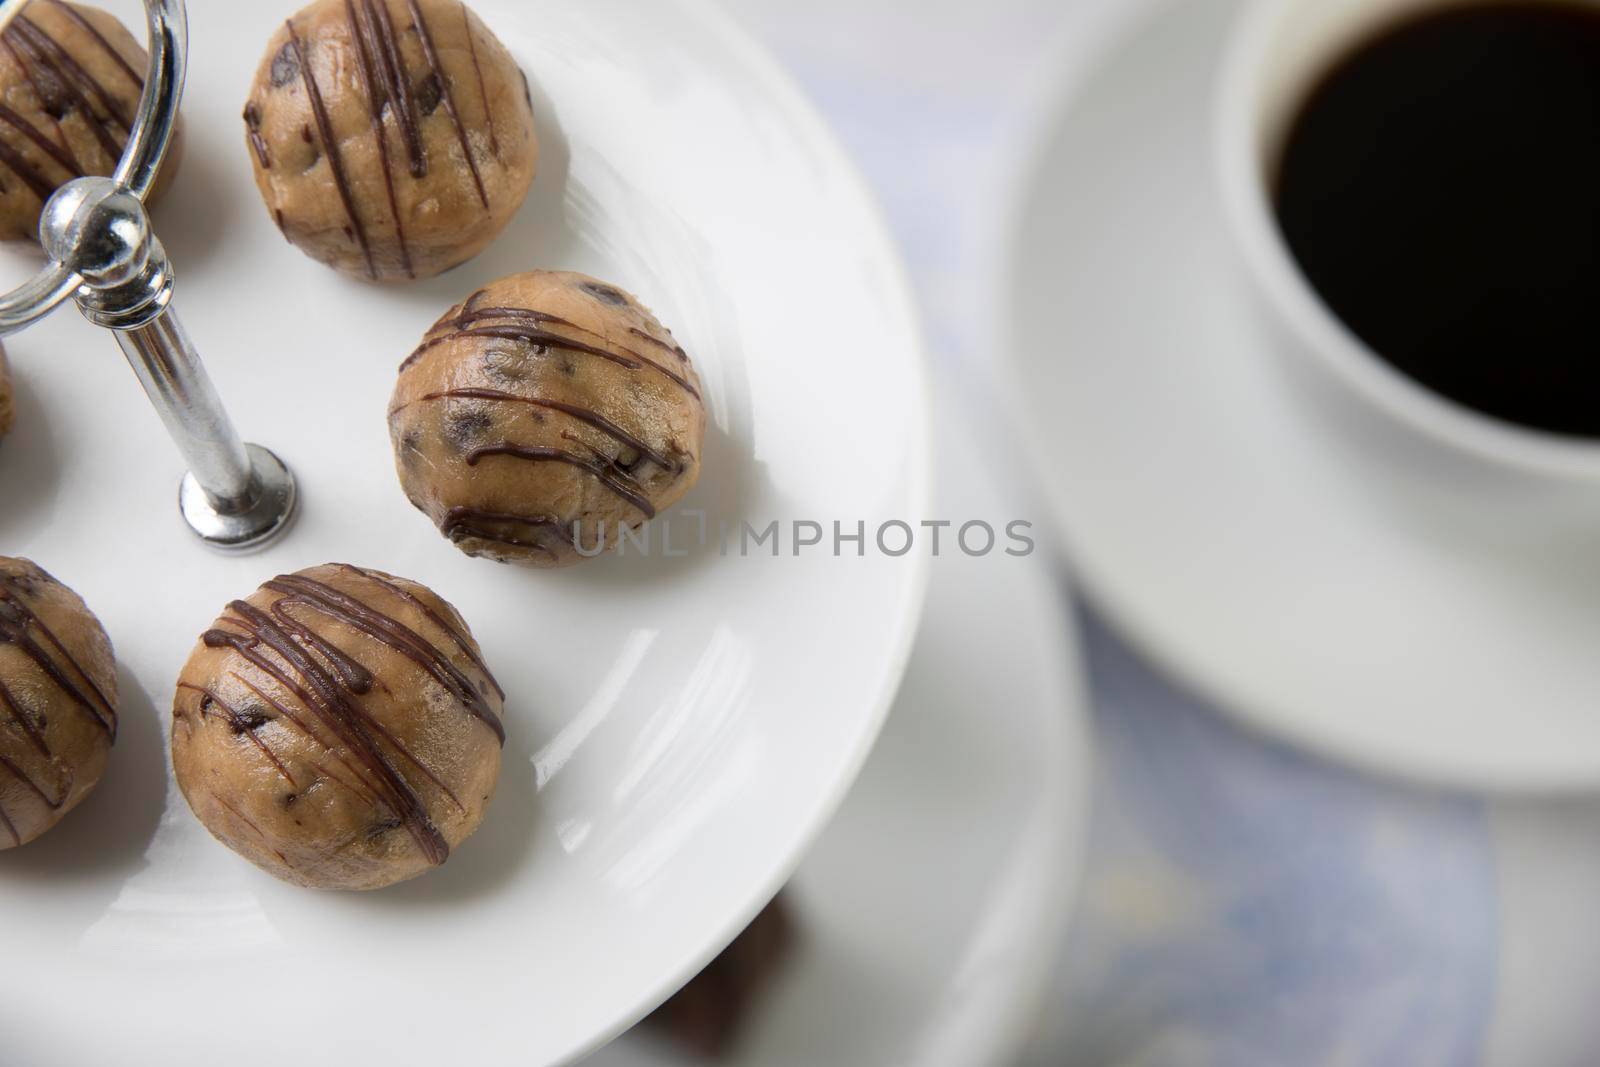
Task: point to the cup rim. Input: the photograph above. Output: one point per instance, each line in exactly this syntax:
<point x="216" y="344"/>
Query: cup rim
<point x="1247" y="204"/>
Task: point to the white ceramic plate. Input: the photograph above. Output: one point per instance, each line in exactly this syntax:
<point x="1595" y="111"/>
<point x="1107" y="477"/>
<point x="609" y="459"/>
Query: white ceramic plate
<point x="1319" y="591"/>
<point x="679" y="728"/>
<point x="929" y="911"/>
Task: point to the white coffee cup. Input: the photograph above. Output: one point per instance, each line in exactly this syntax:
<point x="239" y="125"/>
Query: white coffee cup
<point x="1278" y="52"/>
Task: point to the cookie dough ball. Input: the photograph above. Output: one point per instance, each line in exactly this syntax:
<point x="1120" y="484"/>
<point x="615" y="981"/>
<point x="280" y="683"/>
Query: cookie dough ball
<point x="392" y="139"/>
<point x="58" y="701"/>
<point x="545" y="416"/>
<point x="70" y="77"/>
<point x="338" y="729"/>
<point x="8" y="410"/>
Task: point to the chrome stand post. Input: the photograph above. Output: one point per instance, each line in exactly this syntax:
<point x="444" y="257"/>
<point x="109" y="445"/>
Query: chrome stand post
<point x="236" y="497"/>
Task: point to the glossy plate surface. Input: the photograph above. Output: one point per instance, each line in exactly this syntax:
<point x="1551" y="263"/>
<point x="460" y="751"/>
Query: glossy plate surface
<point x="680" y="728"/>
<point x="1313" y="585"/>
<point x="980" y="788"/>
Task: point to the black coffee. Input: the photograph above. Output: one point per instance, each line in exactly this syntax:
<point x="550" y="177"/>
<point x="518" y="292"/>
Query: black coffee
<point x="1441" y="190"/>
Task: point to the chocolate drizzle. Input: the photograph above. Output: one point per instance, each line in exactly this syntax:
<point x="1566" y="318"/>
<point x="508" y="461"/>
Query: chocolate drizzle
<point x="328" y="682"/>
<point x="396" y="635"/>
<point x="394" y="83"/>
<point x="42" y="187"/>
<point x="31" y="731"/>
<point x="319" y="111"/>
<point x="462" y="523"/>
<point x="448" y="96"/>
<point x="17" y="625"/>
<point x="54" y="114"/>
<point x="54" y="804"/>
<point x="456" y="636"/>
<point x="99" y="38"/>
<point x="606" y="473"/>
<point x="243" y="725"/>
<point x="22" y="629"/>
<point x="62" y="85"/>
<point x="387" y="88"/>
<point x="61" y="155"/>
<point x="315" y="688"/>
<point x="675" y="349"/>
<point x="66" y="85"/>
<point x="533" y="327"/>
<point x="286" y="714"/>
<point x="483" y="85"/>
<point x="582" y="414"/>
<point x="250" y="824"/>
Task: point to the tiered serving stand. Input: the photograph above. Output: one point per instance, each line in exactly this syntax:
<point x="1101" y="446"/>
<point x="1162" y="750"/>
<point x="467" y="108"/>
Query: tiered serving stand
<point x="680" y="728"/>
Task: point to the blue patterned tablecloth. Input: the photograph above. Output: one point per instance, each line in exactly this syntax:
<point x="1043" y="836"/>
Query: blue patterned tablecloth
<point x="1244" y="904"/>
<point x="1247" y="905"/>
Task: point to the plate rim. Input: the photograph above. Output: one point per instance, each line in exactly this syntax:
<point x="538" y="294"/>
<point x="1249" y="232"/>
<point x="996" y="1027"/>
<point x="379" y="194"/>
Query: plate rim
<point x="1004" y="1032"/>
<point x="808" y="123"/>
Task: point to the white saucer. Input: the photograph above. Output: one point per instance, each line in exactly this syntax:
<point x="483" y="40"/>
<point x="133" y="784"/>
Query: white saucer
<point x="679" y="729"/>
<point x="1321" y="594"/>
<point x="930" y="910"/>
